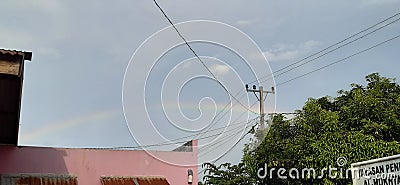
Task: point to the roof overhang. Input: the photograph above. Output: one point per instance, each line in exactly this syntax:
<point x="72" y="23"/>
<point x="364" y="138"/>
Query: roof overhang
<point x="11" y="78"/>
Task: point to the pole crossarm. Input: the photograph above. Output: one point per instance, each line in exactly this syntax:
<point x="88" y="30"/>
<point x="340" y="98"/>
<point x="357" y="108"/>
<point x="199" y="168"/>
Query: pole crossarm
<point x="261" y="93"/>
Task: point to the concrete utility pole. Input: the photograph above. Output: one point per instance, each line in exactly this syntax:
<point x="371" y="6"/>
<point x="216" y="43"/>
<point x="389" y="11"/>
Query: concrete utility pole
<point x="261" y="92"/>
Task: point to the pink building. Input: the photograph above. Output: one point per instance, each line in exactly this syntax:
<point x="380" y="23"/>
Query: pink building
<point x="21" y="165"/>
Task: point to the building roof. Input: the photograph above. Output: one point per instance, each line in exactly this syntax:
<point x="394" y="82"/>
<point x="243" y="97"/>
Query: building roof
<point x="135" y="180"/>
<point x="11" y="78"/>
<point x="16" y="53"/>
<point x="39" y="179"/>
<point x="187" y="147"/>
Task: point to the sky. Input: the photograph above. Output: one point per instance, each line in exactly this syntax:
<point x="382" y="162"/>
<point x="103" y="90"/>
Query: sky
<point x="84" y="50"/>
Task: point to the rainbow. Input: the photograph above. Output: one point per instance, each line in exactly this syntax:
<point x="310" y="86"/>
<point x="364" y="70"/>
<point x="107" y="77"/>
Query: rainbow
<point x="51" y="128"/>
<point x="99" y="117"/>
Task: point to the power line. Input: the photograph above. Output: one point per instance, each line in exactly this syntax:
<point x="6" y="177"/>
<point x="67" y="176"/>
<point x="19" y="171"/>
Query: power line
<point x="331" y="46"/>
<point x="224" y="112"/>
<point x="220" y="142"/>
<point x="227" y="112"/>
<point x="279" y="74"/>
<point x="341" y="60"/>
<point x="215" y="78"/>
<point x="197" y="56"/>
<point x="227" y="137"/>
<point x="240" y="123"/>
<point x="180" y="142"/>
<point x="223" y="155"/>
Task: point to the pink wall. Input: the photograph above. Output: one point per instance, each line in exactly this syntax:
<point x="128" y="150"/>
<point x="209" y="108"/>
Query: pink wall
<point x="90" y="164"/>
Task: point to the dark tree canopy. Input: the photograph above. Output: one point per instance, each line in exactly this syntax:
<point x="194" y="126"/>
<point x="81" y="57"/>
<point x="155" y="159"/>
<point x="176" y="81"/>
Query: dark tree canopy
<point x="359" y="124"/>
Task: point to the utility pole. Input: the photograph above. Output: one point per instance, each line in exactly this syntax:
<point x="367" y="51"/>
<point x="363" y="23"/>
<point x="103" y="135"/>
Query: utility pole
<point x="261" y="92"/>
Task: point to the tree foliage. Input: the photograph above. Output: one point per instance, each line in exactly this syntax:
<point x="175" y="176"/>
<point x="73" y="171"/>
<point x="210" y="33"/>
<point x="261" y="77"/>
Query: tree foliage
<point x="226" y="174"/>
<point x="359" y="124"/>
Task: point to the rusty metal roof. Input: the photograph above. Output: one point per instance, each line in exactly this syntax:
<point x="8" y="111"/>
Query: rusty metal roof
<point x="37" y="179"/>
<point x="15" y="53"/>
<point x="135" y="180"/>
<point x="11" y="79"/>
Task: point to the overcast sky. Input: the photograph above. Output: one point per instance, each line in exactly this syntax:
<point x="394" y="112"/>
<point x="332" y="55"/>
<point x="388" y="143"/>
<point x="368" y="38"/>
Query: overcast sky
<point x="72" y="94"/>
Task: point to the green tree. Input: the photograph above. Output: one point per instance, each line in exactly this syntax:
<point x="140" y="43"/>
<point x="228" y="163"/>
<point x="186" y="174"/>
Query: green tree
<point x="226" y="174"/>
<point x="359" y="124"/>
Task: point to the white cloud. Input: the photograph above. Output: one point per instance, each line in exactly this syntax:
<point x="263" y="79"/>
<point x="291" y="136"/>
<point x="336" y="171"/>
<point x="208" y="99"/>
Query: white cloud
<point x="284" y="52"/>
<point x="48" y="51"/>
<point x="311" y="44"/>
<point x="244" y="22"/>
<point x="188" y="64"/>
<point x="220" y="70"/>
<point x="281" y="56"/>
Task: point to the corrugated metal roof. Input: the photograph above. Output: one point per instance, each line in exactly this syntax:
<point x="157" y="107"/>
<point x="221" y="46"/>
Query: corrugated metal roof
<point x="37" y="179"/>
<point x="16" y="53"/>
<point x="136" y="180"/>
<point x="11" y="52"/>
